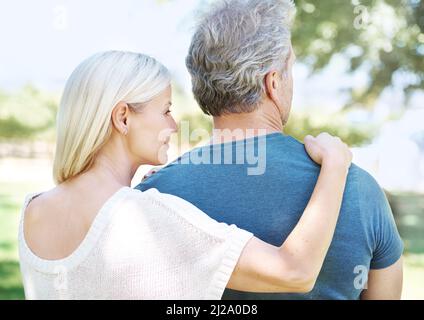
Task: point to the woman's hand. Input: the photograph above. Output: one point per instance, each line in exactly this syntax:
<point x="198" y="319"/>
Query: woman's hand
<point x="151" y="172"/>
<point x="325" y="148"/>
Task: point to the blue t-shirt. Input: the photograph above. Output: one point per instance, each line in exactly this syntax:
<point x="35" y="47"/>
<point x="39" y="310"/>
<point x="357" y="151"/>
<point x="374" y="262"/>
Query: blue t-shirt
<point x="263" y="185"/>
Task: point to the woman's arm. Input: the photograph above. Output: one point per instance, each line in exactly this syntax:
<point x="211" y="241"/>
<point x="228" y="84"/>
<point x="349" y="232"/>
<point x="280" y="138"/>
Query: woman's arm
<point x="294" y="267"/>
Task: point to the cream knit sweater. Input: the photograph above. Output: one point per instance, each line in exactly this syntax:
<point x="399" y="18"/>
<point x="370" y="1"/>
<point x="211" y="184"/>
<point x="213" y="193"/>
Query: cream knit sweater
<point x="141" y="245"/>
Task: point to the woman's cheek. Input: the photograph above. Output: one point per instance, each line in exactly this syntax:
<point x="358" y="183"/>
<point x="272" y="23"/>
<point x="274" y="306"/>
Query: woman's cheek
<point x="163" y="154"/>
<point x="150" y="140"/>
<point x="157" y="148"/>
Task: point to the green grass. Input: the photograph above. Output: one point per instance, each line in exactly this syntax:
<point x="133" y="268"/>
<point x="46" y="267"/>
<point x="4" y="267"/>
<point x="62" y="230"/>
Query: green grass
<point x="408" y="209"/>
<point x="12" y="197"/>
<point x="10" y="278"/>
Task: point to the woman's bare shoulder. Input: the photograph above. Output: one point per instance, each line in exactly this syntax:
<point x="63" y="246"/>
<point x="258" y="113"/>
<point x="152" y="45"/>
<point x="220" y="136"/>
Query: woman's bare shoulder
<point x="42" y="204"/>
<point x="44" y="222"/>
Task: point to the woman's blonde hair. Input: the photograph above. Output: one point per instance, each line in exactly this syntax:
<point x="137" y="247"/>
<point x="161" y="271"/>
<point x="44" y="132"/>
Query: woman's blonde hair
<point x="94" y="88"/>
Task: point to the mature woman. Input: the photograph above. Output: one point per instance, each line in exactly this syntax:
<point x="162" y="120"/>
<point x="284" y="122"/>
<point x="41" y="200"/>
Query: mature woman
<point x="93" y="237"/>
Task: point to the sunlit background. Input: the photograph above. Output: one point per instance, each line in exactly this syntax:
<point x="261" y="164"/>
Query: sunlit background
<point x="359" y="75"/>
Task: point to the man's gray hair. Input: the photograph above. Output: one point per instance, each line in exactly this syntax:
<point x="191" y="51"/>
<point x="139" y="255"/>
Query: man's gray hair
<point x="234" y="46"/>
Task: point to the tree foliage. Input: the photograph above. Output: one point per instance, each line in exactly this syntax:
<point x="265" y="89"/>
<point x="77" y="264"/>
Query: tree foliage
<point x="27" y="114"/>
<point x="385" y="38"/>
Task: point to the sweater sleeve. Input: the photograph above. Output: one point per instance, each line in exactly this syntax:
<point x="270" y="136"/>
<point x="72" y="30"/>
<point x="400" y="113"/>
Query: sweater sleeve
<point x="201" y="252"/>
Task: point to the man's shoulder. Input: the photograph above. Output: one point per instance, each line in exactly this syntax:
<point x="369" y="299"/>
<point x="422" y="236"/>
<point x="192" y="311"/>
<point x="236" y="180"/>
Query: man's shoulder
<point x="174" y="172"/>
<point x="371" y="197"/>
<point x="364" y="181"/>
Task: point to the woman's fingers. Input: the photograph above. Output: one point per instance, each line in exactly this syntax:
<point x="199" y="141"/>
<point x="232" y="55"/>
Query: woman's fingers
<point x="313" y="149"/>
<point x="151" y="172"/>
<point x="329" y="148"/>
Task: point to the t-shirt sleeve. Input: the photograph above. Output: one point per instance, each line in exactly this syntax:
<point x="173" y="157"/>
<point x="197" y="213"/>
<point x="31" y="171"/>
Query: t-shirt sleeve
<point x="203" y="252"/>
<point x="387" y="243"/>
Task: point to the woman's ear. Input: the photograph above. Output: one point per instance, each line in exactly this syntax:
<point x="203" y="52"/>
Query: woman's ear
<point x="120" y="117"/>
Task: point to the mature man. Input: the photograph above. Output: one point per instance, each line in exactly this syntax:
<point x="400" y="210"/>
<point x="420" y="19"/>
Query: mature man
<point x="240" y="60"/>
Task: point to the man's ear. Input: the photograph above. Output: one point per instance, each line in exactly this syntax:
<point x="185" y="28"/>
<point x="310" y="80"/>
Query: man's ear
<point x="273" y="84"/>
<point x="120" y="117"/>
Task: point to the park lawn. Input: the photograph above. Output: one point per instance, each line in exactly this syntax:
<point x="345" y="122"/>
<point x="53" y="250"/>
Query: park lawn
<point x="12" y="196"/>
<point x="413" y="277"/>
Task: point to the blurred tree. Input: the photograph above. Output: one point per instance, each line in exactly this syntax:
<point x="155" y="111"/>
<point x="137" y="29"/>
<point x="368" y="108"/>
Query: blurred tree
<point x="384" y="38"/>
<point x="299" y="125"/>
<point x="27" y="114"/>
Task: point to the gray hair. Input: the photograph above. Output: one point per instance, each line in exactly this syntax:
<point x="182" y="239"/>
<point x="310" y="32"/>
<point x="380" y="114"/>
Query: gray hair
<point x="234" y="46"/>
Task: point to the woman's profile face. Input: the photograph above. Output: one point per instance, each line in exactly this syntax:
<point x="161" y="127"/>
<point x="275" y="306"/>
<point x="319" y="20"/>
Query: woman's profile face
<point x="150" y="129"/>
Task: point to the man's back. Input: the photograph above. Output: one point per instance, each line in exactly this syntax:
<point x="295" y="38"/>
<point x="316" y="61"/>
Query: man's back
<point x="270" y="205"/>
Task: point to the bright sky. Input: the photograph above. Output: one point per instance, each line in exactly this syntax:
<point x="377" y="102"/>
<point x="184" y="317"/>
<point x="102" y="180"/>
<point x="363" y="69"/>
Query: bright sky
<point x="43" y="41"/>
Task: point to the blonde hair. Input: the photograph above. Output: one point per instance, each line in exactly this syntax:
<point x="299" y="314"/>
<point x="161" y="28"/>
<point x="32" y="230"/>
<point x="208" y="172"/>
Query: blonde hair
<point x="94" y="88"/>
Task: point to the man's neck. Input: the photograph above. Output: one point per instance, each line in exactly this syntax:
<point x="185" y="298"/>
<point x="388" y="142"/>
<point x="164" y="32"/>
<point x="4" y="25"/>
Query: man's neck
<point x="237" y="126"/>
